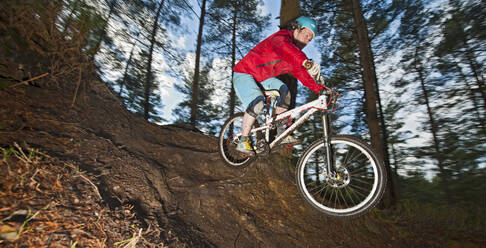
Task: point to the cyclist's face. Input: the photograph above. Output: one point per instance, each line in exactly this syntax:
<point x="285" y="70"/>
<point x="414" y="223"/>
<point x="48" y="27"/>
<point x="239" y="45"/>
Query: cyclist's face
<point x="303" y="36"/>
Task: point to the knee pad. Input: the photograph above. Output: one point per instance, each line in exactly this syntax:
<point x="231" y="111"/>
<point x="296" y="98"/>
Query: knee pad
<point x="284" y="99"/>
<point x="256" y="106"/>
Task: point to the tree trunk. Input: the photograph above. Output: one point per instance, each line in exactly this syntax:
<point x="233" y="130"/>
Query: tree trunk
<point x="391" y="195"/>
<point x="289" y="10"/>
<point x="369" y="81"/>
<point x="148" y="78"/>
<point x="195" y="82"/>
<point x="443" y="174"/>
<point x="69" y="18"/>
<point x="395" y="176"/>
<point x="125" y="74"/>
<point x="472" y="96"/>
<point x="111" y="7"/>
<point x="233" y="61"/>
<point x="474" y="69"/>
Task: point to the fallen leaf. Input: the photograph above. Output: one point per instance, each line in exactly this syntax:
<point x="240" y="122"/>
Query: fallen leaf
<point x="8" y="233"/>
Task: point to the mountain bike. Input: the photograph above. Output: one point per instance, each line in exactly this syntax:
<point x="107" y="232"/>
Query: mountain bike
<point x="339" y="175"/>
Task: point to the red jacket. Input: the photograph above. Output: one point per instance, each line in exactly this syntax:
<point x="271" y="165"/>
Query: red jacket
<point x="274" y="56"/>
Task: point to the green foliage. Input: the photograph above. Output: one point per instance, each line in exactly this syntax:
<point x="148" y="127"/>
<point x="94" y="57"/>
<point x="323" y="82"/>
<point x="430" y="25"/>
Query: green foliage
<point x="7" y="152"/>
<point x="85" y="20"/>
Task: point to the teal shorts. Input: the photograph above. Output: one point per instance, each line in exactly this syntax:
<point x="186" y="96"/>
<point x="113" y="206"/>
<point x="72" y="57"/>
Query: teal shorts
<point x="247" y="90"/>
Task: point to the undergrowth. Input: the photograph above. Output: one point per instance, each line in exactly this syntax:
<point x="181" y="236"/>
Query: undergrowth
<point x="461" y="218"/>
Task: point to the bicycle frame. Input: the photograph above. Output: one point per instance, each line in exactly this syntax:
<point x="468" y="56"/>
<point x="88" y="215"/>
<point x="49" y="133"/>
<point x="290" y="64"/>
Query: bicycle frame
<point x="320" y="104"/>
<point x="309" y="109"/>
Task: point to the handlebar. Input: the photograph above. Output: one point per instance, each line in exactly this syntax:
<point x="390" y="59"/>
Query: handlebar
<point x="334" y="98"/>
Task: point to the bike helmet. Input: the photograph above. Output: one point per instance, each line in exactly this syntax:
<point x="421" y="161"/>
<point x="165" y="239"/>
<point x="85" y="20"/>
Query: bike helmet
<point x="306" y="22"/>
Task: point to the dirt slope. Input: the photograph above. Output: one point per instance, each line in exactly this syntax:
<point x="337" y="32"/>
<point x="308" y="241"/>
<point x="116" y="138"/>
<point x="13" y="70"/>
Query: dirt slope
<point x="173" y="177"/>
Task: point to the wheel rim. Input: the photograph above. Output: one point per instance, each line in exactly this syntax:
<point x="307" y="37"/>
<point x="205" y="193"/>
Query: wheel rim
<point x="228" y="141"/>
<point x="352" y="187"/>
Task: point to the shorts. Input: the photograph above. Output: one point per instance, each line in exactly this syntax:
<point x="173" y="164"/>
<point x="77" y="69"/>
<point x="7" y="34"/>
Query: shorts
<point x="247" y="90"/>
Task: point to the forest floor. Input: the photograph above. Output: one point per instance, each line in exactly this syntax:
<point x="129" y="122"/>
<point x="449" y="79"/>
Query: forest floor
<point x="47" y="202"/>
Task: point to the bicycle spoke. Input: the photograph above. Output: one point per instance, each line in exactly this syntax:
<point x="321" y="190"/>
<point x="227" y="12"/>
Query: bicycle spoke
<point x="358" y="190"/>
<point x="350" y="195"/>
<point x="228" y="139"/>
<point x="353" y="158"/>
<point x="343" y="198"/>
<point x="361" y="180"/>
<point x="363" y="171"/>
<point x="312" y="189"/>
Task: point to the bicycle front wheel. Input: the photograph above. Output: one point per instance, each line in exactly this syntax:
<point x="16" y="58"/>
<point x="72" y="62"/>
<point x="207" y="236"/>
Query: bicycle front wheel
<point x="354" y="187"/>
<point x="228" y="139"/>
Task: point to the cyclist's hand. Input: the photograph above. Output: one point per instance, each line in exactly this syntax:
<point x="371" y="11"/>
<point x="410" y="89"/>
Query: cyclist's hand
<point x="314" y="69"/>
<point x="320" y="81"/>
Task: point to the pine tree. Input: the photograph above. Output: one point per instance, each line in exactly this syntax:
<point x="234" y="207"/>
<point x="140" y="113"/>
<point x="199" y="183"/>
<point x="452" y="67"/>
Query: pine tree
<point x="463" y="40"/>
<point x="149" y="86"/>
<point x="236" y="26"/>
<point x="146" y="25"/>
<point x="208" y="111"/>
<point x="397" y="138"/>
<point x="84" y="22"/>
<point x="195" y="83"/>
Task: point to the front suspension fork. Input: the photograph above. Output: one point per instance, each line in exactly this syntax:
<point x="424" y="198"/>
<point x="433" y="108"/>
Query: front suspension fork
<point x="326" y="126"/>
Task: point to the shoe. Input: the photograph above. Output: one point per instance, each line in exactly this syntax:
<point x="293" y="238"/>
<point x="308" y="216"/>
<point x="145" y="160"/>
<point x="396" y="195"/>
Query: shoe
<point x="244" y="146"/>
<point x="287" y="140"/>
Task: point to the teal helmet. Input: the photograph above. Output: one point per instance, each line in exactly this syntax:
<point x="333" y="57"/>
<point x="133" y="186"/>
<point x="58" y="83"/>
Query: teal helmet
<point x="307" y="22"/>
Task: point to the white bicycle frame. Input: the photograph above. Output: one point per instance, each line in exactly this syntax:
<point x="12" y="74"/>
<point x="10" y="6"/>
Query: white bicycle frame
<point x="309" y="109"/>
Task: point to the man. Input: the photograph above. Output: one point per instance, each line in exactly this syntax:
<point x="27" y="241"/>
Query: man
<point x="278" y="54"/>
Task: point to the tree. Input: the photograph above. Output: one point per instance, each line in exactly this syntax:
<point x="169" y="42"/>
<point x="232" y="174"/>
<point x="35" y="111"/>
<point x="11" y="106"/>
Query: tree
<point x="369" y="81"/>
<point x="415" y="32"/>
<point x="396" y="140"/>
<point x="236" y="26"/>
<point x="144" y="28"/>
<point x="102" y="33"/>
<point x="149" y="76"/>
<point x="209" y="113"/>
<point x="195" y="83"/>
<point x="289" y="10"/>
<point x="464" y="36"/>
<point x="461" y="52"/>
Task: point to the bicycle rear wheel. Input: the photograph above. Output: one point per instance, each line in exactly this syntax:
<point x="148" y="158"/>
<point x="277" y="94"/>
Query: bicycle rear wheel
<point x="228" y="139"/>
<point x="355" y="187"/>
